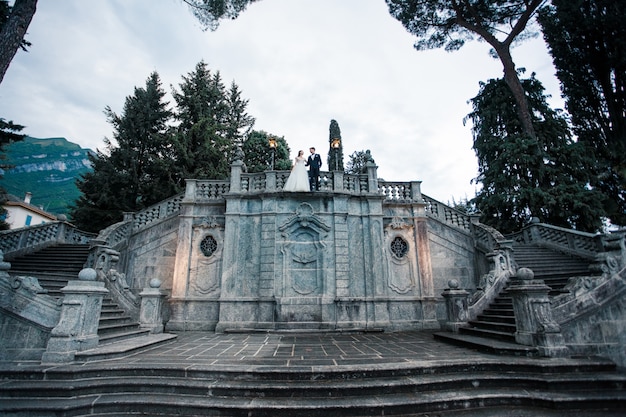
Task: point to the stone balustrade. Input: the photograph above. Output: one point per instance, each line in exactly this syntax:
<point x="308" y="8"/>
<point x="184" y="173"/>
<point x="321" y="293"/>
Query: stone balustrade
<point x="17" y="242"/>
<point x="158" y="211"/>
<point x="447" y="214"/>
<point x="583" y="244"/>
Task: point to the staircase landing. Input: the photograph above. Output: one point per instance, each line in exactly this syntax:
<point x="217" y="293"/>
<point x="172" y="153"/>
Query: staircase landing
<point x="320" y="374"/>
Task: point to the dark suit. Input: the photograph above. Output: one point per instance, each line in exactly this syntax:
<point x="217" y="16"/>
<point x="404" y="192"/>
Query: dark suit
<point x="314" y="163"/>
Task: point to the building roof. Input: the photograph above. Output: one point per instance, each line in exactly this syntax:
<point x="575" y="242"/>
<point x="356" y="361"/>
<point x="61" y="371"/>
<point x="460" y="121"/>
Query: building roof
<point x="14" y="201"/>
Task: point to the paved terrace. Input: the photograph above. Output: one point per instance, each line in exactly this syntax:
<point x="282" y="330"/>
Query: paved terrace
<point x="291" y="352"/>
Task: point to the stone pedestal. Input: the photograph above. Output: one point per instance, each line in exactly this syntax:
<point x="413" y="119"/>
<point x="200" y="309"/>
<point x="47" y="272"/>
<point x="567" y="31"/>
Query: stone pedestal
<point x="533" y="315"/>
<point x="456" y="306"/>
<point x="77" y="329"/>
<point x="151" y="313"/>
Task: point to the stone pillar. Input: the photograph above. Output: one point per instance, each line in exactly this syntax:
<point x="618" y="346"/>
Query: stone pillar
<point x="151" y="313"/>
<point x="270" y="180"/>
<point x="456" y="306"/>
<point x="77" y="329"/>
<point x="372" y="177"/>
<point x="533" y="315"/>
<point x="236" y="168"/>
<point x="337" y="181"/>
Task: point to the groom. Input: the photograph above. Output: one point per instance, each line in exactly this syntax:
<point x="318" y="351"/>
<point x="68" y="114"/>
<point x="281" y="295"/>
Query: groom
<point x="314" y="163"/>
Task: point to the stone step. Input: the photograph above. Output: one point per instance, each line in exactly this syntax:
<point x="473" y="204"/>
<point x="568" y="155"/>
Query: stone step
<point x="488" y="333"/>
<point x="98" y="388"/>
<point x="487" y="344"/>
<point x="121" y="334"/>
<point x="497" y="318"/>
<point x="494" y="325"/>
<point x="411" y="404"/>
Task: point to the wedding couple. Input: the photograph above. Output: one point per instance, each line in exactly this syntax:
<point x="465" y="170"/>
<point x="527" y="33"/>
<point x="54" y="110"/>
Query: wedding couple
<point x="300" y="179"/>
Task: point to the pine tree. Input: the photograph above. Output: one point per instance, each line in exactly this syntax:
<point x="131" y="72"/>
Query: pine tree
<point x="212" y="125"/>
<point x="587" y="41"/>
<point x="136" y="170"/>
<point x="522" y="177"/>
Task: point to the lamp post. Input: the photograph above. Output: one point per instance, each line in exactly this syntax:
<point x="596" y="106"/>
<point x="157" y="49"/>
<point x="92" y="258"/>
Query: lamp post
<point x="272" y="142"/>
<point x="335" y="144"/>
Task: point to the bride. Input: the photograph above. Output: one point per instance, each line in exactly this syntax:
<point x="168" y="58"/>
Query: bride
<point x="299" y="178"/>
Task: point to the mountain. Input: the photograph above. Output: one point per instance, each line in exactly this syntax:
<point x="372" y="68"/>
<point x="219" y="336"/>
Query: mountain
<point x="48" y="168"/>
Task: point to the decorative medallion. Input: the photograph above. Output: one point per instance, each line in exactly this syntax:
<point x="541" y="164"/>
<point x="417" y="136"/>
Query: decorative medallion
<point x="208" y="246"/>
<point x="399" y="247"/>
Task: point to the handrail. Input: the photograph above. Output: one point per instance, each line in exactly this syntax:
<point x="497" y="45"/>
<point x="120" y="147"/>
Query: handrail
<point x="156" y="212"/>
<point x="586" y="245"/>
<point x="447" y="214"/>
<point x="17" y="242"/>
<point x="499" y="253"/>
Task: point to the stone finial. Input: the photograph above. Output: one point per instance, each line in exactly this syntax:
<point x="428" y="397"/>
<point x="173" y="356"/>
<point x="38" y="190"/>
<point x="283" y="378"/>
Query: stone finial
<point x="525" y="274"/>
<point x="87" y="274"/>
<point x="155" y="283"/>
<point x="453" y="284"/>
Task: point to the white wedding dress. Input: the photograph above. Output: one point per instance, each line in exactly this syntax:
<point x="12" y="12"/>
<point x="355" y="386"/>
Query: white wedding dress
<point x="299" y="178"/>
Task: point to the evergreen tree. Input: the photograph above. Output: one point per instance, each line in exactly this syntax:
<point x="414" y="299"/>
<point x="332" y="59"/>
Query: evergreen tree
<point x="522" y="177"/>
<point x="209" y="12"/>
<point x="357" y="162"/>
<point x="8" y="135"/>
<point x="136" y="171"/>
<point x="212" y="125"/>
<point x="238" y="123"/>
<point x="335" y="156"/>
<point x="258" y="154"/>
<point x="587" y="40"/>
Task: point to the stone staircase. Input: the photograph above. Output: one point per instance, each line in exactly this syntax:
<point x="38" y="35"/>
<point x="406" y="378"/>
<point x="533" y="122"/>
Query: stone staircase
<point x="54" y="266"/>
<point x="420" y="388"/>
<point x="494" y="329"/>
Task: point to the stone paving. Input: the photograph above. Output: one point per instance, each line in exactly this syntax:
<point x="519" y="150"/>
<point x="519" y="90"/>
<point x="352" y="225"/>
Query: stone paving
<point x="285" y="350"/>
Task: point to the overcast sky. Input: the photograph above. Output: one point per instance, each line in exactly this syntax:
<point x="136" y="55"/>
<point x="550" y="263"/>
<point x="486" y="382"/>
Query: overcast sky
<point x="300" y="63"/>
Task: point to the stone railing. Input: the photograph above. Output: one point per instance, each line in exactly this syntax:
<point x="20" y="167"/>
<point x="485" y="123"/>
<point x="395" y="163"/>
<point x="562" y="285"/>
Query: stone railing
<point x="17" y="242"/>
<point x="400" y="191"/>
<point x="498" y="252"/>
<point x="114" y="235"/>
<point x="155" y="212"/>
<point x="447" y="214"/>
<point x="582" y="244"/>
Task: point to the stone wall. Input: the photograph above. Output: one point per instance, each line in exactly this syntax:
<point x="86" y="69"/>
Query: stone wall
<point x="593" y="316"/>
<point x="27" y="316"/>
<point x="151" y="253"/>
<point x="21" y="339"/>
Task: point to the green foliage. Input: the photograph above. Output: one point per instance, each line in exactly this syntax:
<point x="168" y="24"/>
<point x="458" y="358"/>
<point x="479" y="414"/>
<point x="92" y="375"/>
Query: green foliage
<point x="258" y="155"/>
<point x="524" y="177"/>
<point x="213" y="124"/>
<point x="209" y="12"/>
<point x="357" y="162"/>
<point x="335" y="156"/>
<point x="449" y="24"/>
<point x="136" y="172"/>
<point x="8" y="135"/>
<point x="155" y="150"/>
<point x="587" y="40"/>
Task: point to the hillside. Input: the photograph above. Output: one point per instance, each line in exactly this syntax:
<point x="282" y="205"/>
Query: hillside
<point x="48" y="168"/>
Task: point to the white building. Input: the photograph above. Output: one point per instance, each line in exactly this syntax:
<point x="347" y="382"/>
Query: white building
<point x="20" y="213"/>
